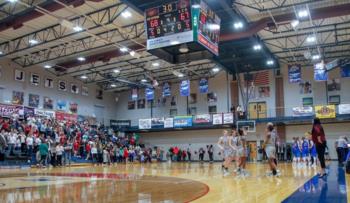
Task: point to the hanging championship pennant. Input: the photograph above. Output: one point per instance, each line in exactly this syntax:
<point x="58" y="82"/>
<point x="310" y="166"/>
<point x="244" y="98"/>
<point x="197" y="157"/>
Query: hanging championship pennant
<point x="203" y="85"/>
<point x="149" y="94"/>
<point x="166" y="90"/>
<point x="294" y="73"/>
<point x="134" y="94"/>
<point x="185" y="88"/>
<point x="320" y="73"/>
<point x="345" y="71"/>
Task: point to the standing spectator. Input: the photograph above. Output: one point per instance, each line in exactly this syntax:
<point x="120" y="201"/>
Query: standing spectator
<point x="201" y="154"/>
<point x="22" y="137"/>
<point x="68" y="152"/>
<point x="319" y="138"/>
<point x="3" y="145"/>
<point x="30" y="143"/>
<point x="53" y="154"/>
<point x="43" y="151"/>
<point x="189" y="154"/>
<point x="125" y="154"/>
<point x="12" y="138"/>
<point x="211" y="153"/>
<point x="59" y="154"/>
<point x="94" y="154"/>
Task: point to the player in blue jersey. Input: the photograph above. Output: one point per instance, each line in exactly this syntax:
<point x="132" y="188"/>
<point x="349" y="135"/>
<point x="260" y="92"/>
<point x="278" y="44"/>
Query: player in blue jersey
<point x="305" y="151"/>
<point x="295" y="151"/>
<point x="312" y="149"/>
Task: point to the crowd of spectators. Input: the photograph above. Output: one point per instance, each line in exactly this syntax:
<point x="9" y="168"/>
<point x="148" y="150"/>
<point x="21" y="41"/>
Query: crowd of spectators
<point x="45" y="142"/>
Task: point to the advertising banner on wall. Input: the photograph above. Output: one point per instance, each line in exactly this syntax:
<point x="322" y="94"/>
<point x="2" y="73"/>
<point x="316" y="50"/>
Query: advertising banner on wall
<point x="344" y="108"/>
<point x="168" y="123"/>
<point x="120" y="123"/>
<point x="202" y="118"/>
<point x="294" y="73"/>
<point x="157" y="122"/>
<point x="217" y="119"/>
<point x="11" y="110"/>
<point x="145" y="123"/>
<point x="185" y="88"/>
<point x="325" y="111"/>
<point x="44" y="113"/>
<point x="28" y="112"/>
<point x="183" y="121"/>
<point x="63" y="116"/>
<point x="203" y="86"/>
<point x="228" y="118"/>
<point x="303" y="111"/>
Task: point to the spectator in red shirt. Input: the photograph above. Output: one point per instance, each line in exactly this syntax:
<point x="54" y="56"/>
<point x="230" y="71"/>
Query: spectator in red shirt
<point x="319" y="138"/>
<point x="76" y="147"/>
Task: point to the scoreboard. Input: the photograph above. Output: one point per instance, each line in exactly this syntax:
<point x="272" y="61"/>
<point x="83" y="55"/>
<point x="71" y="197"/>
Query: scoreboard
<point x="179" y="22"/>
<point x="169" y="24"/>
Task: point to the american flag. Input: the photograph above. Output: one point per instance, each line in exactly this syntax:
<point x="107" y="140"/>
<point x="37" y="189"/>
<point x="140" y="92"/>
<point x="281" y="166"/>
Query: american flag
<point x="260" y="78"/>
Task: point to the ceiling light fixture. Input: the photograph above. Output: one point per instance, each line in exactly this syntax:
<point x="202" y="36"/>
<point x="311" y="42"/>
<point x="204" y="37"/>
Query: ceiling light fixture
<point x="116" y="71"/>
<point x="181" y="75"/>
<point x="215" y="69"/>
<point x="47" y="66"/>
<point x="303" y="13"/>
<point x="132" y="53"/>
<point x="123" y="49"/>
<point x="295" y="23"/>
<point x="257" y="47"/>
<point x="155" y="64"/>
<point x="126" y="14"/>
<point x="143" y="80"/>
<point x="83" y="77"/>
<point x="1" y="53"/>
<point x="238" y="25"/>
<point x="77" y="28"/>
<point x="81" y="59"/>
<point x="270" y="62"/>
<point x="33" y="41"/>
<point x="311" y="39"/>
<point x="315" y="57"/>
<point x="12" y="1"/>
<point x="113" y="85"/>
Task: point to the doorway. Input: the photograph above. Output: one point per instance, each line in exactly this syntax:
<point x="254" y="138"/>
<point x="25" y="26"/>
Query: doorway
<point x="257" y="110"/>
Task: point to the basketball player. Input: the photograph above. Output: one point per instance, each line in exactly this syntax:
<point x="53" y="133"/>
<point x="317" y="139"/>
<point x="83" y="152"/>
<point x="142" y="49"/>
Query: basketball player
<point x="233" y="145"/>
<point x="300" y="147"/>
<point x="296" y="152"/>
<point x="224" y="145"/>
<point x="270" y="148"/>
<point x="312" y="148"/>
<point x="241" y="151"/>
<point x="305" y="151"/>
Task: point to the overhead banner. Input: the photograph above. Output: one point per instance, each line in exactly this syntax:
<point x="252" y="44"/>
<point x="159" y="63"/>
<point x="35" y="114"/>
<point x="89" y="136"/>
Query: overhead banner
<point x="203" y="85"/>
<point x="202" y="118"/>
<point x="44" y="113"/>
<point x="228" y="118"/>
<point x="168" y="123"/>
<point x="145" y="123"/>
<point x="185" y="88"/>
<point x="320" y="72"/>
<point x="149" y="94"/>
<point x="217" y="119"/>
<point x="303" y="111"/>
<point x="294" y="73"/>
<point x="183" y="121"/>
<point x="325" y="111"/>
<point x="11" y="110"/>
<point x="344" y="108"/>
<point x="166" y="90"/>
<point x="345" y="71"/>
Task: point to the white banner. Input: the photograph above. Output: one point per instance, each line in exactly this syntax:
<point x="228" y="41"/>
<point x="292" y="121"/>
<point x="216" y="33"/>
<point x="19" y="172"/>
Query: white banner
<point x="217" y="119"/>
<point x="145" y="123"/>
<point x="168" y="123"/>
<point x="169" y="40"/>
<point x="344" y="108"/>
<point x="44" y="113"/>
<point x="228" y="118"/>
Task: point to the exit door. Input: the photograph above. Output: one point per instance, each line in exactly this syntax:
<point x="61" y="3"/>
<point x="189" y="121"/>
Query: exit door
<point x="257" y="110"/>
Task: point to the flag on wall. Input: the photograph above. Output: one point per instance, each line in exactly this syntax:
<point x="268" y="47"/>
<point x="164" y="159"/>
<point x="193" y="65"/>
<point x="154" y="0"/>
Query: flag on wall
<point x="259" y="78"/>
<point x="294" y="73"/>
<point x="185" y="88"/>
<point x="166" y="90"/>
<point x="203" y="85"/>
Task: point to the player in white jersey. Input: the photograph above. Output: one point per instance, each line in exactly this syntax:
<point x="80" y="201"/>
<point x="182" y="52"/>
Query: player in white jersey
<point x="270" y="147"/>
<point x="233" y="145"/>
<point x="224" y="145"/>
<point x="241" y="151"/>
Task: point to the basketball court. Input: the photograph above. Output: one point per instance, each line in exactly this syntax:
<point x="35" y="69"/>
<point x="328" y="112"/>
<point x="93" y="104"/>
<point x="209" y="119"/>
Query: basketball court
<point x="174" y="101"/>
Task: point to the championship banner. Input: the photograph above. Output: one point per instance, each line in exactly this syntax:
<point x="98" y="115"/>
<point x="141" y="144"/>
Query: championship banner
<point x="344" y="108"/>
<point x="217" y="119"/>
<point x="134" y="93"/>
<point x="320" y="72"/>
<point x="149" y="94"/>
<point x="168" y="123"/>
<point x="202" y="118"/>
<point x="203" y="85"/>
<point x="228" y="118"/>
<point x="294" y="73"/>
<point x="145" y="123"/>
<point x="166" y="90"/>
<point x="345" y="71"/>
<point x="183" y="121"/>
<point x="325" y="111"/>
<point x="44" y="113"/>
<point x="11" y="110"/>
<point x="185" y="88"/>
<point x="303" y="111"/>
<point x="62" y="116"/>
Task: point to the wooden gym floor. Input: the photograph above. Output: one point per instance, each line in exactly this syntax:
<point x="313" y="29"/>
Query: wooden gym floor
<point x="176" y="182"/>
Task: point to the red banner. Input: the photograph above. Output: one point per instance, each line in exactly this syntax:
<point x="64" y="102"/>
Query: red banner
<point x="62" y="116"/>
